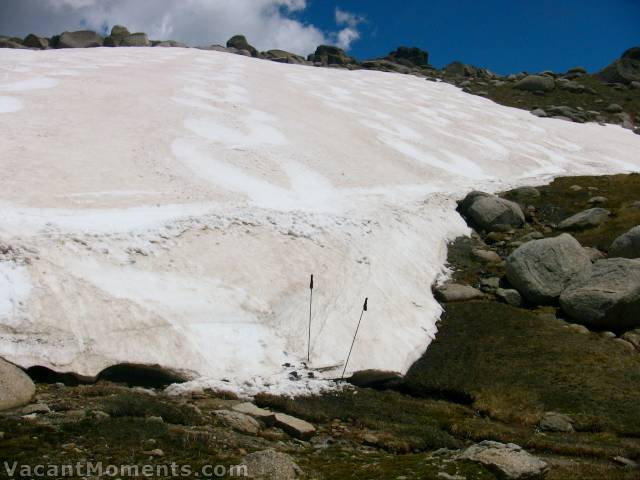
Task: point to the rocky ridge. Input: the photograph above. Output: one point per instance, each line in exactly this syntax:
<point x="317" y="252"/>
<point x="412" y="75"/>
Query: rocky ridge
<point x="611" y="95"/>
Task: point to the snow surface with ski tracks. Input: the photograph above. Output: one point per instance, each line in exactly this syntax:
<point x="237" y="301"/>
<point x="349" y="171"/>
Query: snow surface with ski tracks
<point x="164" y="206"/>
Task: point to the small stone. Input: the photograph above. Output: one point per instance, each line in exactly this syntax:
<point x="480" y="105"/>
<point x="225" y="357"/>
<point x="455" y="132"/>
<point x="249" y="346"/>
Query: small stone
<point x="265" y="416"/>
<point x="271" y="465"/>
<point x="509" y="296"/>
<point x="556" y="422"/>
<point x="453" y="292"/>
<point x="633" y="337"/>
<point x="155" y="453"/>
<point x="575" y="188"/>
<point x="36" y="408"/>
<point x="238" y="421"/>
<point x="597" y="200"/>
<point x="155" y="419"/>
<point x="488" y="256"/>
<point x="614" y="108"/>
<point x="295" y="427"/>
<point x="100" y="415"/>
<point x="624" y="343"/>
<point x="585" y="219"/>
<point x="626" y="462"/>
<point x="510" y="460"/>
<point x="532" y="236"/>
<point x="608" y="334"/>
<point x="489" y="284"/>
<point x="574" y="327"/>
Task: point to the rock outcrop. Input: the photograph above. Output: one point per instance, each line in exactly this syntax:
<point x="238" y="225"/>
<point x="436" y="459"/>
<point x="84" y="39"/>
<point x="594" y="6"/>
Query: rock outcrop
<point x="330" y="55"/>
<point x="80" y="39"/>
<point x="624" y="70"/>
<point x="135" y="40"/>
<point x="239" y="42"/>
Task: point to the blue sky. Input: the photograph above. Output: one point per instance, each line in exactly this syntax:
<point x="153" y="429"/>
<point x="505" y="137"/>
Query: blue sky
<point x="503" y="35"/>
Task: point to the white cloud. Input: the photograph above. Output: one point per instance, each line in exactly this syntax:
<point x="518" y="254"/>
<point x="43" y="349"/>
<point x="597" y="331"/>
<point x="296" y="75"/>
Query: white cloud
<point x="345" y="37"/>
<point x="267" y="24"/>
<point x="347" y="18"/>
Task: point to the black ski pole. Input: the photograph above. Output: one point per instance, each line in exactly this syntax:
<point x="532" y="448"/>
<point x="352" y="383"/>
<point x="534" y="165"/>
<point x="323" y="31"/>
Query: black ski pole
<point x="310" y="302"/>
<point x="364" y="309"/>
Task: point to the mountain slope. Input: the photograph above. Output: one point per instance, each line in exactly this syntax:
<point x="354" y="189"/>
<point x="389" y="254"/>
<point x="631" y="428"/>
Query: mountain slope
<point x="166" y="206"/>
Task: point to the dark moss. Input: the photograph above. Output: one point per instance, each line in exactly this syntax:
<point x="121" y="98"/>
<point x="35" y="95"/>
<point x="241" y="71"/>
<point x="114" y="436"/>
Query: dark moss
<point x="516" y="365"/>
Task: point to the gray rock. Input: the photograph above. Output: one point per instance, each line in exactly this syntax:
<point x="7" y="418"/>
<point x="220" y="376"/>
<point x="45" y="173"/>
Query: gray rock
<point x="238" y="421"/>
<point x="575" y="328"/>
<point x="538" y="112"/>
<point x="626" y="462"/>
<point x="585" y="219"/>
<point x="283" y="56"/>
<point x="633" y="337"/>
<point x="270" y="465"/>
<point x="488" y="211"/>
<point x="16" y="388"/>
<point x="541" y="269"/>
<point x="627" y="245"/>
<point x="80" y="39"/>
<point x="35" y="408"/>
<point x="8" y="43"/>
<point x="507" y="460"/>
<point x="265" y="416"/>
<point x="597" y="200"/>
<point x="605" y="296"/>
<point x="575" y="188"/>
<point x="372" y="378"/>
<point x="385" y="66"/>
<point x="488" y="256"/>
<point x="490" y="284"/>
<point x="532" y="236"/>
<point x="294" y="426"/>
<point x="34" y="41"/>
<point x="453" y="292"/>
<point x="510" y="296"/>
<point x="624" y="70"/>
<point x="135" y="40"/>
<point x="522" y="194"/>
<point x="613" y="108"/>
<point x="239" y="42"/>
<point x="556" y="422"/>
<point x="170" y="44"/>
<point x="536" y="83"/>
<point x="120" y="31"/>
<point x="330" y="55"/>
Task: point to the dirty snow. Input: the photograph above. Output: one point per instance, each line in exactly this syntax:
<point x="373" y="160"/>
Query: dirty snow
<point x="171" y="204"/>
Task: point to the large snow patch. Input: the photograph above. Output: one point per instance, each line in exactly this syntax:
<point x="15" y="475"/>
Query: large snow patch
<point x="170" y="205"/>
